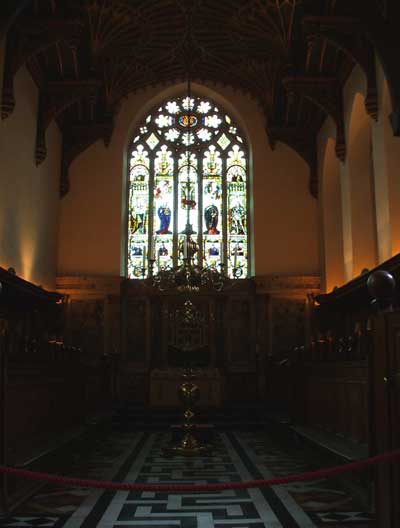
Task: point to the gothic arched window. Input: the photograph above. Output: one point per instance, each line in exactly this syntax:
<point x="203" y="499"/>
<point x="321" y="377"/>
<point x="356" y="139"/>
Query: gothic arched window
<point x="184" y="157"/>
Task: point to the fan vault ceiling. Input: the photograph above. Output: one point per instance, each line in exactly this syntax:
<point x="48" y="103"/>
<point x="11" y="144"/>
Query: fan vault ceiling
<point x="292" y="56"/>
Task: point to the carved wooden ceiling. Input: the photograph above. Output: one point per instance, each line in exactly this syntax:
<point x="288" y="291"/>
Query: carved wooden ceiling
<point x="292" y="56"/>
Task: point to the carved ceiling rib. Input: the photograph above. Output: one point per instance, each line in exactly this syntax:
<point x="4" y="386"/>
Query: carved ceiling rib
<point x="250" y="46"/>
<point x="31" y="37"/>
<point x="9" y="11"/>
<point x="56" y="97"/>
<point x="348" y="34"/>
<point x="380" y="19"/>
<point x="386" y="38"/>
<point x="326" y="93"/>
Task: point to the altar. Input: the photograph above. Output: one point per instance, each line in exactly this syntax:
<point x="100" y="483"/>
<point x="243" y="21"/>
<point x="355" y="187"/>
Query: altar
<point x="151" y="333"/>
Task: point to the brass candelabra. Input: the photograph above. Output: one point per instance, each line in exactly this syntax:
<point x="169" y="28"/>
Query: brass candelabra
<point x="188" y="444"/>
<point x="190" y="319"/>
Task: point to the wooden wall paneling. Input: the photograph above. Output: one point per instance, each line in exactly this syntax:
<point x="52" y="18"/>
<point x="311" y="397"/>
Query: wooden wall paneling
<point x="3" y="413"/>
<point x="212" y="316"/>
<point x="112" y="311"/>
<point x="138" y="346"/>
<point x="86" y="325"/>
<point x="342" y="412"/>
<point x="394" y="400"/>
<point x="220" y="333"/>
<point x="278" y="386"/>
<point x="240" y="327"/>
<point x="281" y="325"/>
<point x="381" y="418"/>
<point x="385" y="366"/>
<point x="288" y="324"/>
<point x="112" y="343"/>
<point x="243" y="332"/>
<point x="357" y="396"/>
<point x="164" y="332"/>
<point x="394" y="388"/>
<point x="124" y="321"/>
<point x="297" y="376"/>
<point x="156" y="329"/>
<point x="144" y="321"/>
<point x="262" y="349"/>
<point x="97" y="298"/>
<point x="336" y="395"/>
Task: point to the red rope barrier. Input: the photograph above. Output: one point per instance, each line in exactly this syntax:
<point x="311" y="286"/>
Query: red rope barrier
<point x="127" y="486"/>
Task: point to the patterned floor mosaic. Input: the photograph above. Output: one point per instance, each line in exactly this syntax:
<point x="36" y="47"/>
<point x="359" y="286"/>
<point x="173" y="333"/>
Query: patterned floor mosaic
<point x="236" y="456"/>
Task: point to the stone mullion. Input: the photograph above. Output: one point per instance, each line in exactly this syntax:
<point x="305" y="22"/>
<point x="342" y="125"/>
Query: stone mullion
<point x="224" y="214"/>
<point x="175" y="249"/>
<point x="200" y="163"/>
<point x="151" y="207"/>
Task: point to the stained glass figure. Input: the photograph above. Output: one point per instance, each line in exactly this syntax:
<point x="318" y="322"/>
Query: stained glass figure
<point x="138" y="210"/>
<point x="163" y="254"/>
<point x="237" y="212"/>
<point x="188" y="192"/>
<point x="163" y="191"/>
<point x="188" y="166"/>
<point x="212" y="207"/>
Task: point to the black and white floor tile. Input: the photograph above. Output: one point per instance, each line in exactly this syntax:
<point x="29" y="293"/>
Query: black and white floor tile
<point x="235" y="457"/>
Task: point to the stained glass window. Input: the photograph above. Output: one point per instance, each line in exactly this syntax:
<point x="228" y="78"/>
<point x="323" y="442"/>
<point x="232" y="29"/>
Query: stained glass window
<point x="188" y="154"/>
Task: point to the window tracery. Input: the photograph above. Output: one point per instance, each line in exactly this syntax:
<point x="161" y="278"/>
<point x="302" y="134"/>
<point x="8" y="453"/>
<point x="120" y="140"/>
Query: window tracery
<point x="188" y="153"/>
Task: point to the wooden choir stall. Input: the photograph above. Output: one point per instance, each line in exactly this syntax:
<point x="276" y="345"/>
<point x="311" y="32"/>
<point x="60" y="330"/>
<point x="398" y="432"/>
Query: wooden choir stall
<point x="346" y="380"/>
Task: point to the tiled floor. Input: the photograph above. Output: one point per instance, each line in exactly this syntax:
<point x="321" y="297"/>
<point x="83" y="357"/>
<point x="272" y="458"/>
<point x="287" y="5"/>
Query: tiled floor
<point x="137" y="457"/>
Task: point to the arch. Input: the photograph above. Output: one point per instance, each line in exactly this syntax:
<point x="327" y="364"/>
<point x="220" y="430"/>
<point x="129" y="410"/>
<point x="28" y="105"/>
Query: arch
<point x="165" y="92"/>
<point x="331" y="212"/>
<point x="188" y="171"/>
<point x="392" y="156"/>
<point x="381" y="173"/>
<point x="361" y="186"/>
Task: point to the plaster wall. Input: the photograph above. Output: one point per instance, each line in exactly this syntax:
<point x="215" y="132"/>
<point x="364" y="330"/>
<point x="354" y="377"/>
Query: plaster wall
<point x="369" y="184"/>
<point x="381" y="173"/>
<point x="330" y="210"/>
<point x="357" y="181"/>
<point x="29" y="197"/>
<point x="92" y="218"/>
<point x="392" y="157"/>
<point x="360" y="165"/>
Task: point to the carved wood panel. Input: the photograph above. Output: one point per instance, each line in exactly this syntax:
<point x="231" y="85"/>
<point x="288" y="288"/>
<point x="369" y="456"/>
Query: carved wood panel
<point x="153" y="333"/>
<point x="336" y="397"/>
<point x="138" y="330"/>
<point x="240" y="332"/>
<point x="112" y="316"/>
<point x="85" y="325"/>
<point x="287" y="324"/>
<point x="385" y="369"/>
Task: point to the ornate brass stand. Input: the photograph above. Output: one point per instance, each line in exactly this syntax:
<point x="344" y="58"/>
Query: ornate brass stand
<point x="190" y="342"/>
<point x="188" y="393"/>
